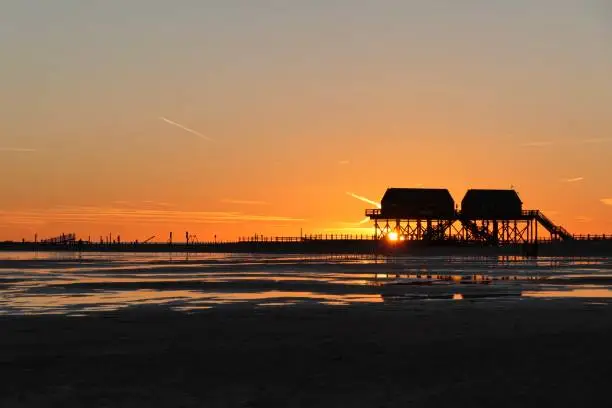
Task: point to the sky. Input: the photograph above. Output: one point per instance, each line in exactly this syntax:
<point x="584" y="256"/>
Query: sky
<point x="240" y="117"/>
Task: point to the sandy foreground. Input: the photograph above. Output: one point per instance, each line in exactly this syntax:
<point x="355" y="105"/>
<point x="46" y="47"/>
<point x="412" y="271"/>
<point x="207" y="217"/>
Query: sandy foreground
<point x="434" y="354"/>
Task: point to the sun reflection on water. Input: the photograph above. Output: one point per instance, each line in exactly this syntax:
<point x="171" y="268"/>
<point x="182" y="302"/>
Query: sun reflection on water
<point x="70" y="284"/>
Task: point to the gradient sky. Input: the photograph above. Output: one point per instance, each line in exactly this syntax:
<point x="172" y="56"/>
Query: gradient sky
<point x="292" y="104"/>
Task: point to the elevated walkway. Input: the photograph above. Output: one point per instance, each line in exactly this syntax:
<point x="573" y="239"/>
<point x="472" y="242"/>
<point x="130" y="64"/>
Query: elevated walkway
<point x="520" y="228"/>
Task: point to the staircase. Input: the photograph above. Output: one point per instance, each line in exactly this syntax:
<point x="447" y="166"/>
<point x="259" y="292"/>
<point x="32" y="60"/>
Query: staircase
<point x="478" y="233"/>
<point x="438" y="232"/>
<point x="555" y="230"/>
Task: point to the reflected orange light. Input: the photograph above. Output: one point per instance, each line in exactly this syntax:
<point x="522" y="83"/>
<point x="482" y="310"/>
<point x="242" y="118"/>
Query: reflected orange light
<point x="457" y="296"/>
<point x="575" y="293"/>
<point x="393" y="236"/>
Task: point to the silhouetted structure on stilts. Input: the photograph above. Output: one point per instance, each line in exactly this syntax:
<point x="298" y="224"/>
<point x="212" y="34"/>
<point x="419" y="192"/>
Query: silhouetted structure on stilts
<point x="486" y="216"/>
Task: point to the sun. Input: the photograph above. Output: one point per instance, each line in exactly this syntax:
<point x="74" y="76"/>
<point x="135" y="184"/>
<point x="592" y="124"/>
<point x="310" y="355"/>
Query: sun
<point x="392" y="236"/>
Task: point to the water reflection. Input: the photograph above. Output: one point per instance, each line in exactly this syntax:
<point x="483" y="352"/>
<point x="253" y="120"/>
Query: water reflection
<point x="181" y="300"/>
<point x="571" y="293"/>
<point x="73" y="284"/>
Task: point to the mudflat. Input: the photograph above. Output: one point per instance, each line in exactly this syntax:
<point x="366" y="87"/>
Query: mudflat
<point x="521" y="352"/>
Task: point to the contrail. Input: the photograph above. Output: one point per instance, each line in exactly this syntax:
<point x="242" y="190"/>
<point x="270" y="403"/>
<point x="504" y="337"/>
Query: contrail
<point x="185" y="128"/>
<point x="573" y="180"/>
<point x="364" y="199"/>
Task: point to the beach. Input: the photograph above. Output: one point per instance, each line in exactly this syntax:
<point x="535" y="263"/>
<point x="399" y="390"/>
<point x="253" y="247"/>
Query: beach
<point x="227" y="330"/>
<point x="531" y="353"/>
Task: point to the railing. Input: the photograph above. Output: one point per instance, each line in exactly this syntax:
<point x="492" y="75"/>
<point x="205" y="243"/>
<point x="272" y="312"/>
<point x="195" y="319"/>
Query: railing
<point x="366" y="237"/>
<point x="564" y="233"/>
<point x="589" y="237"/>
<point x="561" y="231"/>
<point x="261" y="238"/>
<point x="310" y="237"/>
<point x="551" y="226"/>
<point x="372" y="211"/>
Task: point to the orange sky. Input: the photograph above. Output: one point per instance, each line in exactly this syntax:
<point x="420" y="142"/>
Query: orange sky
<point x="290" y="107"/>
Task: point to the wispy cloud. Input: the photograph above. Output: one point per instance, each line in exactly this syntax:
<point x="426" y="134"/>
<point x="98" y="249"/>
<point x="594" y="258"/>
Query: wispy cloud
<point x="156" y="203"/>
<point x="344" y="162"/>
<point x="185" y="128"/>
<point x="114" y="215"/>
<point x="140" y="204"/>
<point x="243" y="202"/>
<point x="17" y="149"/>
<point x="573" y="180"/>
<point x="583" y="218"/>
<point x="537" y="144"/>
<point x="364" y="199"/>
<point x="607" y="201"/>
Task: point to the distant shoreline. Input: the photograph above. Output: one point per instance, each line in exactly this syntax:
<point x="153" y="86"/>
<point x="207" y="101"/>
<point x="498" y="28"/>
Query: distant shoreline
<point x="357" y="247"/>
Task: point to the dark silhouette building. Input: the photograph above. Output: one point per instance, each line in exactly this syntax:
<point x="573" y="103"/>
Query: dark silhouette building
<point x="417" y="203"/>
<point x="487" y="216"/>
<point x="492" y="205"/>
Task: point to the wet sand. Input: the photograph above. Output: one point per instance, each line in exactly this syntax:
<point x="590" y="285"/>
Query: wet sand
<point x="437" y="353"/>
